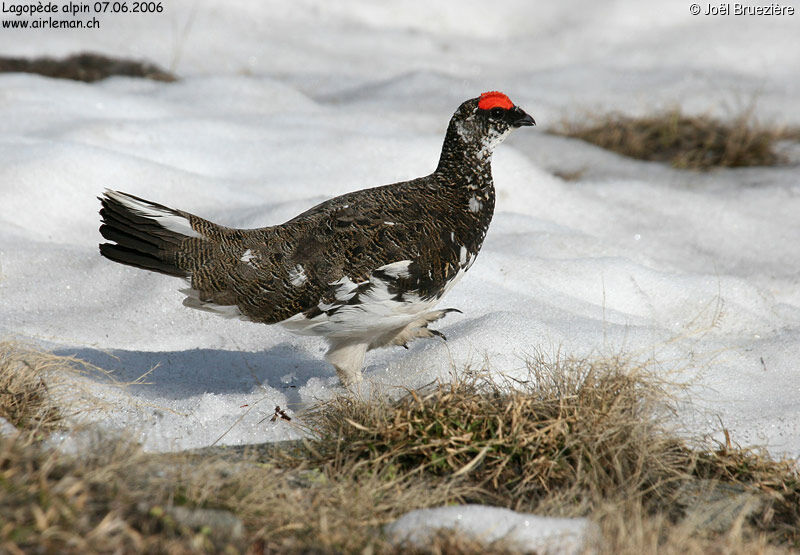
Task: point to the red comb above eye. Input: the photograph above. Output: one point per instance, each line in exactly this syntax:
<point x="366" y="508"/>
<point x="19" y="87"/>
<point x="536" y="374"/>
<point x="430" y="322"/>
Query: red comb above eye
<point x="494" y="99"/>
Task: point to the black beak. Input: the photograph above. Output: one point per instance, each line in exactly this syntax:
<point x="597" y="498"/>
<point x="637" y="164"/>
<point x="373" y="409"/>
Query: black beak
<point x="520" y="118"/>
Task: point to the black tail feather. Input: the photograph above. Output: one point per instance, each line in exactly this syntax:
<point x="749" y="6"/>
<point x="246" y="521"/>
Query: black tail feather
<point x="116" y="214"/>
<point x="138" y="240"/>
<point x="130" y="240"/>
<point x="132" y="257"/>
<point x="138" y="227"/>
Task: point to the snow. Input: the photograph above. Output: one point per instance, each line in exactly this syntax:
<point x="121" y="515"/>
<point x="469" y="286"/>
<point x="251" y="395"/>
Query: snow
<point x="523" y="531"/>
<point x="282" y="106"/>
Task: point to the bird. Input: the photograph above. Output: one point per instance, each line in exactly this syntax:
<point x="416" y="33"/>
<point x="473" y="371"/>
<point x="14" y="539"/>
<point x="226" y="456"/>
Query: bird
<point x="362" y="270"/>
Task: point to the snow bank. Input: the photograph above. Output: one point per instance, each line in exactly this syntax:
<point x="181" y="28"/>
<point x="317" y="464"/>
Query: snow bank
<point x="527" y="532"/>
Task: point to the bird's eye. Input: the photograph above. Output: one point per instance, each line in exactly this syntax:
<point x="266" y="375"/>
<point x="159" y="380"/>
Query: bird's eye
<point x="496" y="112"/>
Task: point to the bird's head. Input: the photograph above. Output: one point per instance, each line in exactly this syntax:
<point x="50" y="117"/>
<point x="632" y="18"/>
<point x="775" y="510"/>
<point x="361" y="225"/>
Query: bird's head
<point x="485" y="121"/>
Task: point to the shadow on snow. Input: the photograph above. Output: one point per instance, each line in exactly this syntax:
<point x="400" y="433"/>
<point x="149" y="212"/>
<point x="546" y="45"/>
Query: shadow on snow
<point x="182" y="374"/>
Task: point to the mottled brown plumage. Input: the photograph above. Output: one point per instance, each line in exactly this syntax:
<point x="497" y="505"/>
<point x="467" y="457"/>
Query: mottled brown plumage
<point x="361" y="269"/>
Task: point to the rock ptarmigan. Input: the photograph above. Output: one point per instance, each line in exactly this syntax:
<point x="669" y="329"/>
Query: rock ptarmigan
<point x="363" y="270"/>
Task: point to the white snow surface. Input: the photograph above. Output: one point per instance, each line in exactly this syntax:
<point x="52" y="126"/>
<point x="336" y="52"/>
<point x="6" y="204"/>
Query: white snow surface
<point x="282" y="105"/>
<point x="524" y="531"/>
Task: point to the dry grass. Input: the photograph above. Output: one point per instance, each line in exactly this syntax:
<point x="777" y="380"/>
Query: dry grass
<point x="573" y="431"/>
<point x="299" y="507"/>
<point x="87" y="66"/>
<point x="24" y="398"/>
<point x="39" y="390"/>
<point x="690" y="142"/>
<point x="576" y="437"/>
<point x="116" y="497"/>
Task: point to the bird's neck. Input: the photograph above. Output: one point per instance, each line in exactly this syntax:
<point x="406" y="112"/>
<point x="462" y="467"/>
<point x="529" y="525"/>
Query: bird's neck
<point x="466" y="160"/>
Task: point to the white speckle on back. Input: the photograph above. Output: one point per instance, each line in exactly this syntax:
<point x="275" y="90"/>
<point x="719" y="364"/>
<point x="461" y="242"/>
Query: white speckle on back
<point x="462" y="256"/>
<point x="396" y="269"/>
<point x="453" y="236"/>
<point x="474" y="204"/>
<point x="389" y="223"/>
<point x="247" y="256"/>
<point x="297" y="275"/>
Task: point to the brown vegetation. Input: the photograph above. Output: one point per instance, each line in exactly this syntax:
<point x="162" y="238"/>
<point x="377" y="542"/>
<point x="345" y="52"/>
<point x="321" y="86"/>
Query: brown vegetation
<point x="86" y="67"/>
<point x="689" y="142"/>
<point x="573" y="438"/>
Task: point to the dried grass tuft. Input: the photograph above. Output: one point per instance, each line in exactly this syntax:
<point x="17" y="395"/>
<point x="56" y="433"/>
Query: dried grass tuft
<point x="86" y="66"/>
<point x="41" y="392"/>
<point x="688" y="142"/>
<point x="574" y="429"/>
<point x="24" y="398"/>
